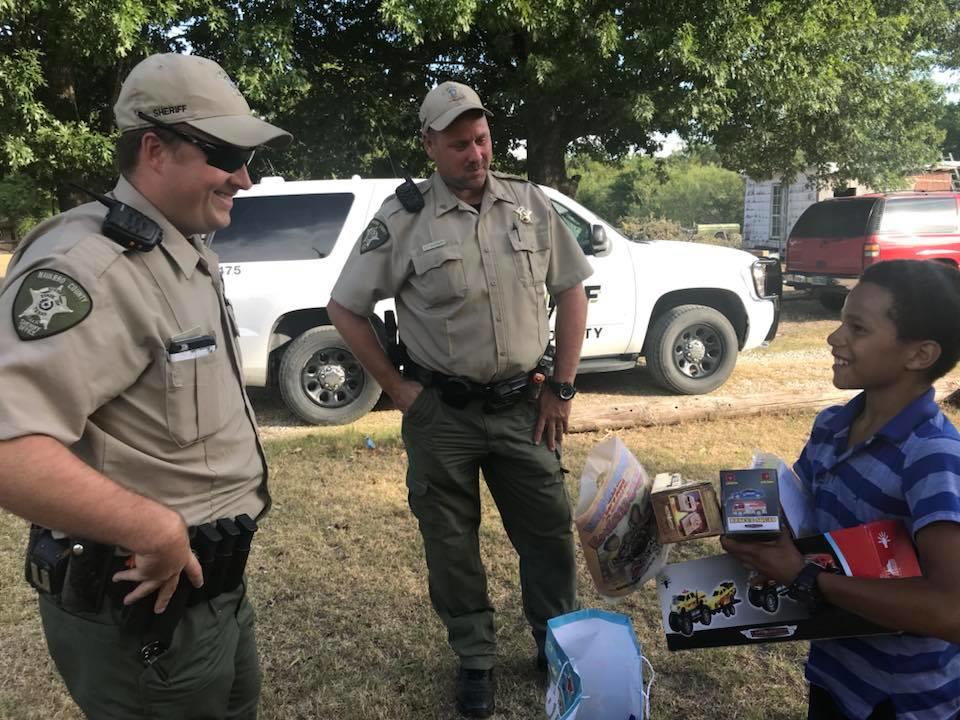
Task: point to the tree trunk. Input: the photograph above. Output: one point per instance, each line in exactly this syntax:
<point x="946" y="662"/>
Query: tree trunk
<point x="547" y="151"/>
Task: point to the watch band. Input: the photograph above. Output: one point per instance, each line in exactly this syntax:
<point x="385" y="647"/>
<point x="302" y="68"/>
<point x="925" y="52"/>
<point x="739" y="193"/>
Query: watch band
<point x="804" y="587"/>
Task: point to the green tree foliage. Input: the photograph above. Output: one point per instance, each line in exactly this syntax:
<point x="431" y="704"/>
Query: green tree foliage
<point x="682" y="189"/>
<point x="62" y="64"/>
<point x="778" y="87"/>
<point x="950" y="124"/>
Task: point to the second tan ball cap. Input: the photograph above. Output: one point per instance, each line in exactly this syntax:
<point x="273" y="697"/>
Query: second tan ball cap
<point x="196" y="91"/>
<point x="446" y="102"/>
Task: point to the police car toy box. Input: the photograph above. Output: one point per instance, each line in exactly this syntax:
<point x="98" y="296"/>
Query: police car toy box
<point x="750" y="503"/>
<point x="716" y="601"/>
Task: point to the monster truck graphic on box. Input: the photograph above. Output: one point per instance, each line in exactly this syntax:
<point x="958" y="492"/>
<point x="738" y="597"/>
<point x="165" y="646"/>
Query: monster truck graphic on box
<point x="724" y="599"/>
<point x="693" y="606"/>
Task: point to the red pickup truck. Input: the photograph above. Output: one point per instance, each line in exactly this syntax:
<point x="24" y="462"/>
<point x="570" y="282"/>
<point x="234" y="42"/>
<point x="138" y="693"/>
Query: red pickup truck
<point x="834" y="240"/>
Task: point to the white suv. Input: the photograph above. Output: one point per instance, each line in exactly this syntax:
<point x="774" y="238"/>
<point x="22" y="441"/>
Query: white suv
<point x="687" y="308"/>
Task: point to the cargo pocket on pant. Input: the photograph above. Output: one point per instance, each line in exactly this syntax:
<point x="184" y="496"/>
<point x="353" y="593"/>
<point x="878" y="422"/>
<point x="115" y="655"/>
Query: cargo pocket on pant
<point x="194" y="397"/>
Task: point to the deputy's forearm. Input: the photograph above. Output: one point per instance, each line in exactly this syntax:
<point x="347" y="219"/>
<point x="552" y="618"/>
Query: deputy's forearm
<point x="359" y="335"/>
<point x="43" y="482"/>
<point x="569" y="328"/>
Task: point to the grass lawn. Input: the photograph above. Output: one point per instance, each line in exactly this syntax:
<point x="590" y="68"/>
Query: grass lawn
<point x="338" y="578"/>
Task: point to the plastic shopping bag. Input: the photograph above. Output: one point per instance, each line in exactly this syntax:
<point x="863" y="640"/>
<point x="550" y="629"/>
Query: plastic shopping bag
<point x="615" y="521"/>
<point x="595" y="668"/>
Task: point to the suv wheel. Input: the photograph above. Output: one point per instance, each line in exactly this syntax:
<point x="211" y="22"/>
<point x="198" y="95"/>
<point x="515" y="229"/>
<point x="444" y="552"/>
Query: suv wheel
<point x="322" y="382"/>
<point x="692" y="349"/>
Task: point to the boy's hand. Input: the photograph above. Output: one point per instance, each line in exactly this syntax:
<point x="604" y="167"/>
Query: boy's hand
<point x="776" y="559"/>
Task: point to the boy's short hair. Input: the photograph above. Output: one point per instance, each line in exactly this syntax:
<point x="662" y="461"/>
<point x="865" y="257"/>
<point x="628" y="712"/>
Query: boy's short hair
<point x="926" y="305"/>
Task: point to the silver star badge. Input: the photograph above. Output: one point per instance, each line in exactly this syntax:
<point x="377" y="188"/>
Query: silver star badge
<point x="47" y="302"/>
<point x="525" y="215"/>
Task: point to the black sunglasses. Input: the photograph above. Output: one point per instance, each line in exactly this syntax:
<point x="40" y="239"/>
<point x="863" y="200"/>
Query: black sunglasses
<point x="228" y="158"/>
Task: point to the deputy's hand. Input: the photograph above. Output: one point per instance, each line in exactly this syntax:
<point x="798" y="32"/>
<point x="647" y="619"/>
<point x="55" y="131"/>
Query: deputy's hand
<point x="405" y="393"/>
<point x="553" y="419"/>
<point x="158" y="565"/>
<point x="776" y="559"/>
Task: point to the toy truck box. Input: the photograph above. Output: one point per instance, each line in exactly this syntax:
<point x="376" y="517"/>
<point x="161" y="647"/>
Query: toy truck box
<point x="701" y="601"/>
<point x="684" y="509"/>
<point x="751" y="503"/>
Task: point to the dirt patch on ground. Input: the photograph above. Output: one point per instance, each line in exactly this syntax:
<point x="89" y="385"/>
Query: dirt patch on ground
<point x="797" y="361"/>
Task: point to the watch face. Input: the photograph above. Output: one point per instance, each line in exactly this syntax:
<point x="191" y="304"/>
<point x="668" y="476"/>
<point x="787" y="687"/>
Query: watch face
<point x="564" y="391"/>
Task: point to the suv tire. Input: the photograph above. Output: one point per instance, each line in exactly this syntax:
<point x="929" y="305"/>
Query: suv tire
<point x="832" y="301"/>
<point x="692" y="349"/>
<point x="322" y="383"/>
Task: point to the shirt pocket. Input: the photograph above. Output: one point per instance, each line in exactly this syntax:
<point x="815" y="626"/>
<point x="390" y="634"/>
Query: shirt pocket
<point x="195" y="401"/>
<point x="531" y="252"/>
<point x="439" y="276"/>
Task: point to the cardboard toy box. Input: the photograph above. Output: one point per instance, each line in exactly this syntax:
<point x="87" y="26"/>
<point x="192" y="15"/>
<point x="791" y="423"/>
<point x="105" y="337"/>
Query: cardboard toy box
<point x="716" y="601"/>
<point x="684" y="509"/>
<point x="751" y="503"/>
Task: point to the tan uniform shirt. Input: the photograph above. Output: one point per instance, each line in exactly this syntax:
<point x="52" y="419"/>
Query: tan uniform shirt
<point x="174" y="428"/>
<point x="470" y="287"/>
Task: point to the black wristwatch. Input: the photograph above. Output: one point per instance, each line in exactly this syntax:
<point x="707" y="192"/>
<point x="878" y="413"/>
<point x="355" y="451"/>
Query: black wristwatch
<point x="804" y="588"/>
<point x="563" y="390"/>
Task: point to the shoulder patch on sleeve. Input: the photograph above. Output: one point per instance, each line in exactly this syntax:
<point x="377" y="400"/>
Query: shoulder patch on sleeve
<point x="374" y="236"/>
<point x="47" y="303"/>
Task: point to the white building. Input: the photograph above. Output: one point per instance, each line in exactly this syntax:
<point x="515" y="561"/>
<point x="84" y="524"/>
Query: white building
<point x="771" y="207"/>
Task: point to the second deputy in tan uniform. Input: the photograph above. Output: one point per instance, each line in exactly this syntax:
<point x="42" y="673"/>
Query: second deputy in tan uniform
<point x="123" y="417"/>
<point x="470" y="272"/>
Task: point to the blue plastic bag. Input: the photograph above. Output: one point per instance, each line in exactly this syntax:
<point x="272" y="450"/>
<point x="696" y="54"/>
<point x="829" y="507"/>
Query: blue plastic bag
<point x="595" y="668"/>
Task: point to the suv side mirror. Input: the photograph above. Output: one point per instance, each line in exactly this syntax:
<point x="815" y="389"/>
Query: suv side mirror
<point x="599" y="242"/>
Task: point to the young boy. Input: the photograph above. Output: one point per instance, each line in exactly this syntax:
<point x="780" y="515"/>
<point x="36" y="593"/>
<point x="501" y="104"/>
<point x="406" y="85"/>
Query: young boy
<point x="888" y="453"/>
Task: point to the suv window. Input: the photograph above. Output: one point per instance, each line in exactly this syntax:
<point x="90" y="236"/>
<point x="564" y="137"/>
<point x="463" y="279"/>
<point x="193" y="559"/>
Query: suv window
<point x="578" y="227"/>
<point x="836" y="219"/>
<point x="920" y="215"/>
<point x="282" y="227"/>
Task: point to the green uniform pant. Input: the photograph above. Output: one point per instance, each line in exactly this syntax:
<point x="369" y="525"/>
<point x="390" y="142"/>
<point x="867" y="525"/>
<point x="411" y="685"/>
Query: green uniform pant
<point x="210" y="670"/>
<point x="446" y="449"/>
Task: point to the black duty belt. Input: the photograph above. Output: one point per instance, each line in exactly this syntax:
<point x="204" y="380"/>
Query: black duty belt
<point x="459" y="391"/>
<point x="78" y="574"/>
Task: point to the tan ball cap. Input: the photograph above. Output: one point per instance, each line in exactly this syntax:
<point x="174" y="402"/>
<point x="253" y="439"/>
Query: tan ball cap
<point x="446" y="102"/>
<point x="193" y="90"/>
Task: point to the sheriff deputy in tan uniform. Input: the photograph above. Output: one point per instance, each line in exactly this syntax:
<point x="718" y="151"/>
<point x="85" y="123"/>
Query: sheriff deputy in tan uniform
<point x="469" y="258"/>
<point x="123" y="417"/>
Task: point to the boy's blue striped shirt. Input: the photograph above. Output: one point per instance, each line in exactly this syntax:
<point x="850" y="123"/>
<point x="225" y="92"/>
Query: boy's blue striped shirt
<point x="909" y="471"/>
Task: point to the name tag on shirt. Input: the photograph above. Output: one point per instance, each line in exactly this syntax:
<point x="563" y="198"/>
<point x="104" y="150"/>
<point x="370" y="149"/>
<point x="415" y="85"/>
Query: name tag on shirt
<point x="190" y="348"/>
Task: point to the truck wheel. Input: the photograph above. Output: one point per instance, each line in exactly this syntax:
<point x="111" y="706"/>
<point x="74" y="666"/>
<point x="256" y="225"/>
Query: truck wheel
<point x="832" y="301"/>
<point x="692" y="349"/>
<point x="771" y="602"/>
<point x="686" y="625"/>
<point x="322" y="382"/>
<point x="755" y="597"/>
<point x="705" y="616"/>
<point x="673" y="621"/>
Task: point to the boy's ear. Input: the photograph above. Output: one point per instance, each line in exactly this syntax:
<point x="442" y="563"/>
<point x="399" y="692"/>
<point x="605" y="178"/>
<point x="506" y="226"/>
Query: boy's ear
<point x="924" y="354"/>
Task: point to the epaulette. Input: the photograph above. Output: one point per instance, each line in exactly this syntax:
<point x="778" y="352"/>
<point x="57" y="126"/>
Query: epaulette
<point x="508" y="176"/>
